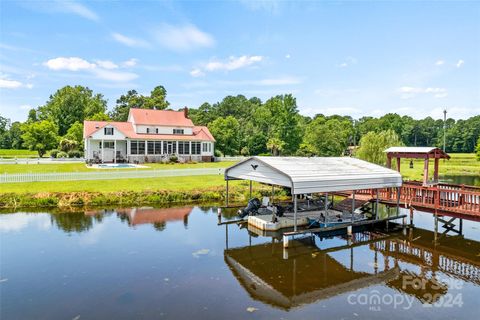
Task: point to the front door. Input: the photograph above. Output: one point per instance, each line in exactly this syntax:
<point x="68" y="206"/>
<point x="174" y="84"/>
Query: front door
<point x="108" y="151"/>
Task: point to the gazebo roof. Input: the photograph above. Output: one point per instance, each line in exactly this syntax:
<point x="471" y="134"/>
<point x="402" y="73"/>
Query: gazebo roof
<point x="417" y="152"/>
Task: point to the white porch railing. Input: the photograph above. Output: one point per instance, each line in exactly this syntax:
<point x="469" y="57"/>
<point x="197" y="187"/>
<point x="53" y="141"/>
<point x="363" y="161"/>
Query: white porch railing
<point x="106" y="175"/>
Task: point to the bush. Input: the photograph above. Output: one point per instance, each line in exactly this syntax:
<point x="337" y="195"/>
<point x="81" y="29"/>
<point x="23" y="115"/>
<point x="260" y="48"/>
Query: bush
<point x="54" y="153"/>
<point x="266" y="154"/>
<point x="173" y="159"/>
<point x="75" y="154"/>
<point x="217" y="153"/>
<point x="62" y="154"/>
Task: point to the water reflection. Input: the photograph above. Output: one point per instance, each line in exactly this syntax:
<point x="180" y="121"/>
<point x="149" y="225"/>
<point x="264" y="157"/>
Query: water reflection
<point x="413" y="264"/>
<point x="157" y="217"/>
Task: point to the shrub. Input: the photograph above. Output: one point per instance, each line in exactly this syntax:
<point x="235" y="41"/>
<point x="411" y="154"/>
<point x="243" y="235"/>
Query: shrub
<point x="54" y="153"/>
<point x="173" y="159"/>
<point x="62" y="154"/>
<point x="75" y="154"/>
<point x="217" y="153"/>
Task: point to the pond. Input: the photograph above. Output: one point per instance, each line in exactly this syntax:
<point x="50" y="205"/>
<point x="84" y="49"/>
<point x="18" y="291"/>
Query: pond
<point x="470" y="180"/>
<point x="177" y="263"/>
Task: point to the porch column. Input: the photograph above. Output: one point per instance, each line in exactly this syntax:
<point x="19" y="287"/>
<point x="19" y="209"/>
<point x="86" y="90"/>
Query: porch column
<point x="114" y="151"/>
<point x="435" y="170"/>
<point x="146" y="146"/>
<point x="398" y="164"/>
<point x="128" y="150"/>
<point x="389" y="161"/>
<point x="190" y="148"/>
<point x="161" y="147"/>
<point x="176" y="149"/>
<point x="425" y="172"/>
<point x="103" y="147"/>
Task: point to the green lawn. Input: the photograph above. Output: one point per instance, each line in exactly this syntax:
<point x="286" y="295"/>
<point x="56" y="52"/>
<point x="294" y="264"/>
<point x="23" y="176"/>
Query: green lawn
<point x="459" y="164"/>
<point x="164" y="183"/>
<point x="14" y="153"/>
<point x="81" y="167"/>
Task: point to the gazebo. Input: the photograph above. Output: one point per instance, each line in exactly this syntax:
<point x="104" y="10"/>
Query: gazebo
<point x="425" y="153"/>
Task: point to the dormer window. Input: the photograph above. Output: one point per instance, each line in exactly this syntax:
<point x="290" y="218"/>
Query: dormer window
<point x="156" y="130"/>
<point x="108" y="131"/>
<point x="178" y="131"/>
<point x="148" y="130"/>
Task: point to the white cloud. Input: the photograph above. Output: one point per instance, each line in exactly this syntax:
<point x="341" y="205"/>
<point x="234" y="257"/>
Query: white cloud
<point x="287" y="56"/>
<point x="130" y="63"/>
<point x="411" y="92"/>
<point x="19" y="221"/>
<point x="106" y="64"/>
<point x="78" y="9"/>
<point x="232" y="63"/>
<point x="460" y="63"/>
<point x="348" y="62"/>
<point x="440" y="62"/>
<point x="10" y="84"/>
<point x="71" y="63"/>
<point x="182" y="38"/>
<point x="130" y="42"/>
<point x="7" y="83"/>
<point x="102" y="69"/>
<point x="197" y="73"/>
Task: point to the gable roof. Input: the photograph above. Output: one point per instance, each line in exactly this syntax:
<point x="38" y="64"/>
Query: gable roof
<point x="160" y="117"/>
<point x="126" y="128"/>
<point x="430" y="152"/>
<point x="316" y="174"/>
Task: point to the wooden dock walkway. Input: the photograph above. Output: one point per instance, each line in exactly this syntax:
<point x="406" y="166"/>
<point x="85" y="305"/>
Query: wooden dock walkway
<point x="441" y="198"/>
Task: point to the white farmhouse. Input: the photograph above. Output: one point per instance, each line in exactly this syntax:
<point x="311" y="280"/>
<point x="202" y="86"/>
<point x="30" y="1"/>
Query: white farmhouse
<point x="148" y="136"/>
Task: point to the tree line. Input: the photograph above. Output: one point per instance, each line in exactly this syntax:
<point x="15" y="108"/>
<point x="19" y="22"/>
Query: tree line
<point x="240" y="125"/>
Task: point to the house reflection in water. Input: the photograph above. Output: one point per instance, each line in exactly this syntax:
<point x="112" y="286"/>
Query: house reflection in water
<point x="304" y="274"/>
<point x="157" y="217"/>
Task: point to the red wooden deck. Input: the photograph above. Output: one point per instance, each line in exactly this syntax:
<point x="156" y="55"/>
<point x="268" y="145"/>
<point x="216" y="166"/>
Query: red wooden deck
<point x="446" y="198"/>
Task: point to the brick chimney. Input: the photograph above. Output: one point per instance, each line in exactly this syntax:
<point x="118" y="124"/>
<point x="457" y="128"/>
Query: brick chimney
<point x="185" y="112"/>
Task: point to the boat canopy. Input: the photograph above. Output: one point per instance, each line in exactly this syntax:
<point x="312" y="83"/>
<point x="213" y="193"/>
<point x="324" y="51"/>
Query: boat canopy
<point x="315" y="174"/>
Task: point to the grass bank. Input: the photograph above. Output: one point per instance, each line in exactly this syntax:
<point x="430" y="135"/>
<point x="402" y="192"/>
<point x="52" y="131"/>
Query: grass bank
<point x="17" y="153"/>
<point x="207" y="189"/>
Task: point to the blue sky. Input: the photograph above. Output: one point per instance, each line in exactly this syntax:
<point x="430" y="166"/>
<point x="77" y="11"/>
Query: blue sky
<point x="336" y="57"/>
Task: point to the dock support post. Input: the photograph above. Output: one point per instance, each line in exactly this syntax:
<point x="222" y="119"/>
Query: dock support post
<point x="273" y="193"/>
<point x="376" y="206"/>
<point x="285" y="241"/>
<point x="294" y="213"/>
<point x="353" y="205"/>
<point x="227" y="195"/>
<point x="411" y="216"/>
<point x="349" y="231"/>
<point x="326" y="203"/>
<point x="398" y="201"/>
<point x="250" y="190"/>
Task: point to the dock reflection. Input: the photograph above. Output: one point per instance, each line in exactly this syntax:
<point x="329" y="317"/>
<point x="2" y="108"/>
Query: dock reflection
<point x="304" y="273"/>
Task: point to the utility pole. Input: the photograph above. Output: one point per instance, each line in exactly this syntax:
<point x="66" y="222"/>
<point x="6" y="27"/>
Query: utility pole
<point x="444" y="128"/>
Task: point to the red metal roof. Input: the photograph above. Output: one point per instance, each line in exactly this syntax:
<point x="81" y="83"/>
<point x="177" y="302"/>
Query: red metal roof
<point x="199" y="133"/>
<point x="160" y="117"/>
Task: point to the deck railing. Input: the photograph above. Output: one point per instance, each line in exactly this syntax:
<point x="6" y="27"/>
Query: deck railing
<point x="106" y="175"/>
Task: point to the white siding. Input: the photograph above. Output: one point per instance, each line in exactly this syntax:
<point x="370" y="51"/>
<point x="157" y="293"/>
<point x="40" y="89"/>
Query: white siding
<point x="162" y="129"/>
<point x="262" y="173"/>
<point x="117" y="135"/>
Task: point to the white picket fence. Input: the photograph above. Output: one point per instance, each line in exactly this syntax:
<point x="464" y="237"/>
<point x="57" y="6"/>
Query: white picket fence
<point x="106" y="175"/>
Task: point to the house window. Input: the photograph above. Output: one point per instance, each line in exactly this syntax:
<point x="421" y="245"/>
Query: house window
<point x="183" y="147"/>
<point x="134" y="147"/>
<point x="156" y="130"/>
<point x="108" y="131"/>
<point x="158" y="147"/>
<point x="148" y="130"/>
<point x="178" y="131"/>
<point x="196" y="147"/>
<point x="151" y="147"/>
<point x="141" y="147"/>
<point x="205" y="147"/>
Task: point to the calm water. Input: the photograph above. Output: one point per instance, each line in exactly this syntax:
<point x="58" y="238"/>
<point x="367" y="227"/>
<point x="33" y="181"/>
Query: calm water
<point x="178" y="264"/>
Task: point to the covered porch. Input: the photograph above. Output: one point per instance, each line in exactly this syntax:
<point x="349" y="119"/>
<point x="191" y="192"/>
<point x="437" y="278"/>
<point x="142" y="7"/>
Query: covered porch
<point x="106" y="150"/>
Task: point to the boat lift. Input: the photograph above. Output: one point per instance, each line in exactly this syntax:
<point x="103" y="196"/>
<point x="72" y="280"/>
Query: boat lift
<point x="317" y="175"/>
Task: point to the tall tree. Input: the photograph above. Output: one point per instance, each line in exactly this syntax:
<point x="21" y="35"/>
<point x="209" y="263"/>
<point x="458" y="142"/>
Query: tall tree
<point x="75" y="133"/>
<point x="225" y="131"/>
<point x="40" y="136"/>
<point x="71" y="104"/>
<point x="373" y="145"/>
<point x="156" y="100"/>
<point x="328" y="137"/>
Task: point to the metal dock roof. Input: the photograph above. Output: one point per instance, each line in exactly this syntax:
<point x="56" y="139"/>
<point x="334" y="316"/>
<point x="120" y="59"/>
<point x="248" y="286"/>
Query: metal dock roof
<point x="315" y="174"/>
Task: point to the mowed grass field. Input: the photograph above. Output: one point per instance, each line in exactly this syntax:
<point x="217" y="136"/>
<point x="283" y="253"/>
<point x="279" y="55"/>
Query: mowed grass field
<point x="459" y="164"/>
<point x="81" y="167"/>
<point x="15" y="153"/>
